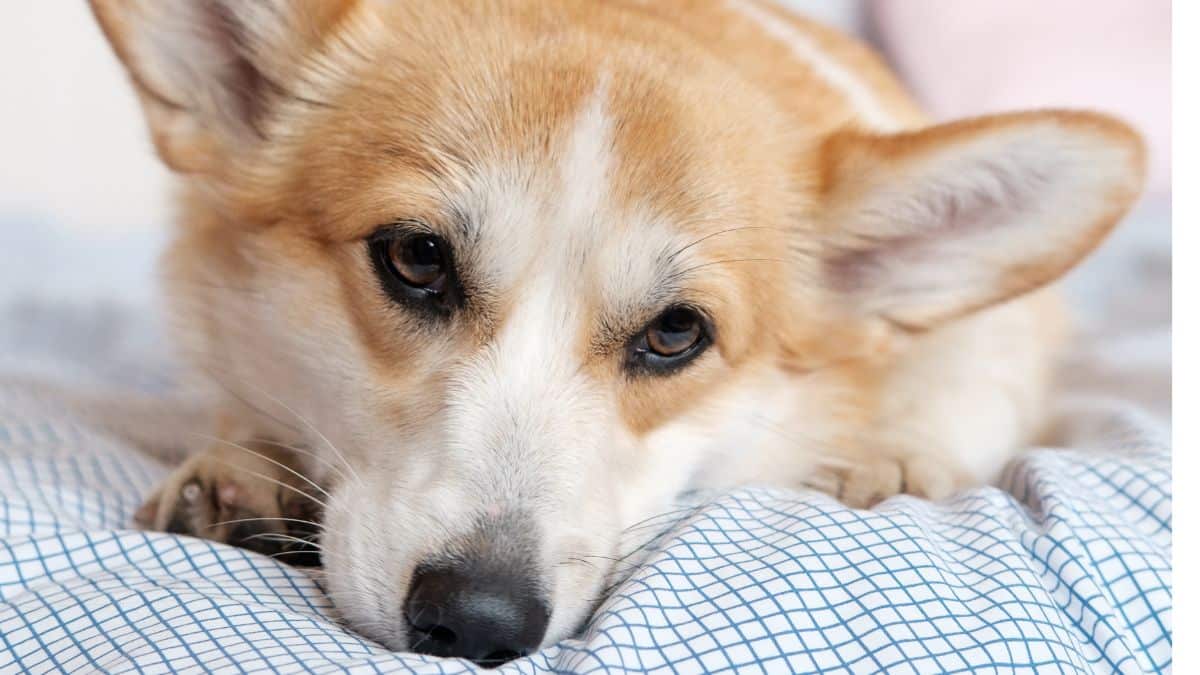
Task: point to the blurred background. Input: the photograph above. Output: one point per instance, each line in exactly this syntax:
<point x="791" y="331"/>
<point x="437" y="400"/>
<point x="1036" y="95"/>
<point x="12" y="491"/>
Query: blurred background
<point x="84" y="203"/>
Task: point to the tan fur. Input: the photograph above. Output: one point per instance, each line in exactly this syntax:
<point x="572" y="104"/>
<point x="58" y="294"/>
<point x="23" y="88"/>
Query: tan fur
<point x="606" y="156"/>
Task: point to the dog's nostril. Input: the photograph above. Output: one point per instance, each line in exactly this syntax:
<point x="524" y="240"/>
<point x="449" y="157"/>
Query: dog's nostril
<point x="489" y="619"/>
<point x="438" y="637"/>
<point x="442" y="635"/>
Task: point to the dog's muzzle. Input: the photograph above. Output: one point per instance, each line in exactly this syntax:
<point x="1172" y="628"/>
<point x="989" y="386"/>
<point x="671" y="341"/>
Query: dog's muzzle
<point x="486" y="604"/>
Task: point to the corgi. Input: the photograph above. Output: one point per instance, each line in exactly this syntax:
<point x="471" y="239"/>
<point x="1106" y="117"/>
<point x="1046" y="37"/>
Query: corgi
<point x="492" y="282"/>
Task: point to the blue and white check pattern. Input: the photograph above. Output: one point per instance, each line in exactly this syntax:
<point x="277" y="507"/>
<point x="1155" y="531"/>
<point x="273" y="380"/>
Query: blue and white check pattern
<point x="1064" y="569"/>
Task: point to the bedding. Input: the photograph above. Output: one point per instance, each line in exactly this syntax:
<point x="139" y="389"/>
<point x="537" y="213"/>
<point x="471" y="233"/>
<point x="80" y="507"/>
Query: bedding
<point x="1063" y="566"/>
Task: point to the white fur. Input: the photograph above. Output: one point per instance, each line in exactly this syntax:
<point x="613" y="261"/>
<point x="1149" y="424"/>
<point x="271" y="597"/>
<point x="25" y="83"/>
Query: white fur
<point x="523" y="429"/>
<point x="834" y="74"/>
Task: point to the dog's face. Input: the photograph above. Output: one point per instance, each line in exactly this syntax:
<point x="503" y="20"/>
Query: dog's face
<point x="532" y="277"/>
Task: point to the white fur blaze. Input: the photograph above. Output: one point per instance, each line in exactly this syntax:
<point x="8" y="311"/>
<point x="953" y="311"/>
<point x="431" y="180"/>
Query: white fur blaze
<point x="834" y="74"/>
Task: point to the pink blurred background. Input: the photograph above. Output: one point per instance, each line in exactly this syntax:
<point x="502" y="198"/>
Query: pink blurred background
<point x="971" y="57"/>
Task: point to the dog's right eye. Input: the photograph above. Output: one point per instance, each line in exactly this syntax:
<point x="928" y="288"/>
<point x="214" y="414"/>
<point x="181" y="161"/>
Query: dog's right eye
<point x="671" y="341"/>
<point x="419" y="262"/>
<point x="415" y="267"/>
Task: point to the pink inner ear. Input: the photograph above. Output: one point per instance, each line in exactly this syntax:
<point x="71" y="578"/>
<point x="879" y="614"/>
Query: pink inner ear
<point x="878" y="262"/>
<point x="855" y="270"/>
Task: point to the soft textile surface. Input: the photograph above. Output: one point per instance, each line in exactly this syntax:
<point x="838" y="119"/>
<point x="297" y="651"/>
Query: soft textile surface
<point x="1065" y="566"/>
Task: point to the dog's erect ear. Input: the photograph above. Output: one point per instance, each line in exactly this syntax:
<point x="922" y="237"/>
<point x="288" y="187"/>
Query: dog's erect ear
<point x="930" y="225"/>
<point x="208" y="71"/>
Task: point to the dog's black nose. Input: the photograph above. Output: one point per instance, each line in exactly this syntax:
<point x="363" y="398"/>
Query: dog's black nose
<point x="487" y="618"/>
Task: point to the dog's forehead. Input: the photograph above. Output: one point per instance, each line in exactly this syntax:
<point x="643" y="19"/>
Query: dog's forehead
<point x="598" y="210"/>
<point x="611" y="185"/>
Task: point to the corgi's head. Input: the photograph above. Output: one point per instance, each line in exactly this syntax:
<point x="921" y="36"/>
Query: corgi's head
<point x="526" y="264"/>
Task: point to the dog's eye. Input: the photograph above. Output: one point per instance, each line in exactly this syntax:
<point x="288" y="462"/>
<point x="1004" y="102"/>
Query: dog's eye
<point x="675" y="332"/>
<point x="674" y="338"/>
<point x="419" y="261"/>
<point x="416" y="268"/>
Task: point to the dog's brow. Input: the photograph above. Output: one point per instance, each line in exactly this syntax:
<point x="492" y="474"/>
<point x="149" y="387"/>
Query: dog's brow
<point x="626" y="314"/>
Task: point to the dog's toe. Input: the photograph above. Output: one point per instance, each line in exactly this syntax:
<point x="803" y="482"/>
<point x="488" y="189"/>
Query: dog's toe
<point x="869" y="483"/>
<point x="241" y="499"/>
<point x="872" y="480"/>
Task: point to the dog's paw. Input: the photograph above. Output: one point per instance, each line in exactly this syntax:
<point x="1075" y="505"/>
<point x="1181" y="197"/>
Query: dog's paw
<point x="868" y="481"/>
<point x="231" y="495"/>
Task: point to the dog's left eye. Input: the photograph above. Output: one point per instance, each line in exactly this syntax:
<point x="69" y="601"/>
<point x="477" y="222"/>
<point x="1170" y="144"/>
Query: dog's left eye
<point x="673" y="339"/>
<point x="415" y="267"/>
<point x="419" y="261"/>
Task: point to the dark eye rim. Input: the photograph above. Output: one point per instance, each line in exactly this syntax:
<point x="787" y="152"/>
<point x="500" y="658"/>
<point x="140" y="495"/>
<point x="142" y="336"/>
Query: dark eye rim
<point x="438" y="302"/>
<point x="642" y="360"/>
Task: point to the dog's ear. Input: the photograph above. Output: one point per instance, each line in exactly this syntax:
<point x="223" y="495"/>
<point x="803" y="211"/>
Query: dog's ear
<point x="926" y="226"/>
<point x="208" y="71"/>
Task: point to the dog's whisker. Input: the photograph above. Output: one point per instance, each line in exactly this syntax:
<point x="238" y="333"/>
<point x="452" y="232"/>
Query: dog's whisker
<point x="616" y="564"/>
<point x="706" y="237"/>
<point x="303" y="451"/>
<point x="727" y="261"/>
<point x="272" y="480"/>
<point x="277" y="463"/>
<point x="277" y="537"/>
<point x="249" y="404"/>
<point x="265" y="518"/>
<point x="576" y="560"/>
<point x="416" y="620"/>
<point x="296" y="552"/>
<point x="303" y="420"/>
<point x="654" y="520"/>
